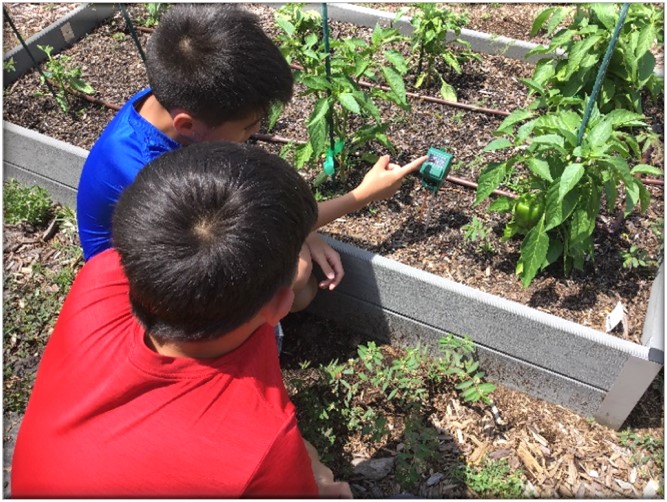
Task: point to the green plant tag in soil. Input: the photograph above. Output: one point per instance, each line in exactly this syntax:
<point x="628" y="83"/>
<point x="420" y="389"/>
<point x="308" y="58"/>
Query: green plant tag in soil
<point x="436" y="167"/>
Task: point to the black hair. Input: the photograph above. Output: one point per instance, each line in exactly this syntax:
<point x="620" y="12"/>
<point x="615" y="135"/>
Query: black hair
<point x="215" y="62"/>
<point x="207" y="234"/>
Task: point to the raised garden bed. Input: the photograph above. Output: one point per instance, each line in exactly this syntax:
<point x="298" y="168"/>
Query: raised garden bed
<point x="562" y="347"/>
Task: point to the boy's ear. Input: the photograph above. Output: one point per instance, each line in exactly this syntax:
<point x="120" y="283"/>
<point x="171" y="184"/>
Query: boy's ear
<point x="278" y="306"/>
<point x="184" y="124"/>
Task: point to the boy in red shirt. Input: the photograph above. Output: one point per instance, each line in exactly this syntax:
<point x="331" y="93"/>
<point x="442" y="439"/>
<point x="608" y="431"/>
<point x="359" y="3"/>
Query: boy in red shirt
<point x="161" y="378"/>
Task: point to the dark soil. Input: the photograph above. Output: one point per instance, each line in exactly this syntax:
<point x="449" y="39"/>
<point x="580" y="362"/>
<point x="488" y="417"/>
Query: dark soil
<point x="572" y="456"/>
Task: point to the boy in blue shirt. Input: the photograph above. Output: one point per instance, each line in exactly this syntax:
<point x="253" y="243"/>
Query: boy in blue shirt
<point x="213" y="75"/>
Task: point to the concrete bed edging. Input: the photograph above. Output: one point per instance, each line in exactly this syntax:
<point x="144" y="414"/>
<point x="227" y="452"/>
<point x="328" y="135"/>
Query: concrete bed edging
<point x="587" y="371"/>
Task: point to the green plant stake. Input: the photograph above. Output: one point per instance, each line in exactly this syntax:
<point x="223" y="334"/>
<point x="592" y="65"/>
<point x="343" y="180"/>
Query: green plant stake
<point x="602" y="71"/>
<point x="436" y="167"/>
<point x="330" y="160"/>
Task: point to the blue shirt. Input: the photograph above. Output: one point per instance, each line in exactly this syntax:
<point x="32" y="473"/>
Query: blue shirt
<point x="125" y="146"/>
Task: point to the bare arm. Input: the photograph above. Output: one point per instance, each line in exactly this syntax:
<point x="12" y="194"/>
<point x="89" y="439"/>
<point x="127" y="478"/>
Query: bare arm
<point x="381" y="182"/>
<point x="324" y="477"/>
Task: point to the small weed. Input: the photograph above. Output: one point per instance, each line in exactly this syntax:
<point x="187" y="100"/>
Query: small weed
<point x="644" y="448"/>
<point x="477" y="232"/>
<point x="493" y="479"/>
<point x="457" y="118"/>
<point x="635" y="258"/>
<point x="28" y="204"/>
<point x="154" y="12"/>
<point x="9" y="65"/>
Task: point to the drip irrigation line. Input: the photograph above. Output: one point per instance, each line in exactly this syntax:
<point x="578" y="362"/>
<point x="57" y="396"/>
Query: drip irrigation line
<point x="272" y="138"/>
<point x="130" y="25"/>
<point x="454" y="104"/>
<point x="432" y="99"/>
<point x="32" y="58"/>
<point x="602" y="71"/>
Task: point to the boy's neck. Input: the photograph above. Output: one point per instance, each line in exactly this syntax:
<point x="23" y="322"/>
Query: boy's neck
<point x="157" y="115"/>
<point x="208" y="349"/>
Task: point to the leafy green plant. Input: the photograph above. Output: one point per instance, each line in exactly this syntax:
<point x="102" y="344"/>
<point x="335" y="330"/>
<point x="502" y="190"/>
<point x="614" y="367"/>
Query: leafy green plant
<point x="9" y="65"/>
<point x="475" y="231"/>
<point x="431" y="45"/>
<point x="26" y="204"/>
<point x="154" y="12"/>
<point x="57" y="71"/>
<point x="635" y="258"/>
<point x="561" y="183"/>
<point x="420" y="448"/>
<point x="645" y="447"/>
<point x="351" y="399"/>
<point x="557" y="81"/>
<point x="458" y="360"/>
<point x="340" y="99"/>
<point x="493" y="479"/>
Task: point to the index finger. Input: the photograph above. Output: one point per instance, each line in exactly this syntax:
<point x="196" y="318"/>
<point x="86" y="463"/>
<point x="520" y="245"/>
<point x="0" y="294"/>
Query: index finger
<point x="415" y="164"/>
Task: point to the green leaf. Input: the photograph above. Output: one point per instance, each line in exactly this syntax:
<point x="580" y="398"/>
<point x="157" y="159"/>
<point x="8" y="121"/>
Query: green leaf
<point x="486" y="388"/>
<point x="645" y="67"/>
<point x="395" y="82"/>
<point x="645" y="40"/>
<point x="500" y="205"/>
<point x="319" y="112"/>
<point x="533" y="252"/>
<point x="558" y="211"/>
<point x="489" y="179"/>
<point x="464" y="385"/>
<point x="569" y="179"/>
<point x="578" y="52"/>
<point x="82" y="86"/>
<point x="646" y="169"/>
<point x="539" y="168"/>
<point x="447" y="92"/>
<point x="302" y="155"/>
<point x="600" y="134"/>
<point x="550" y="139"/>
<point x="397" y="60"/>
<point x="540" y="20"/>
<point x="606" y="13"/>
<point x="451" y="61"/>
<point x="470" y="394"/>
<point x="285" y="25"/>
<point x="556" y="19"/>
<point x="497" y="144"/>
<point x="516" y="116"/>
<point x="621" y="117"/>
<point x="644" y="197"/>
<point x="347" y="100"/>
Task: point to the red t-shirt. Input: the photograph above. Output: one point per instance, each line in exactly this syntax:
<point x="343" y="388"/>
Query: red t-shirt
<point x="108" y="417"/>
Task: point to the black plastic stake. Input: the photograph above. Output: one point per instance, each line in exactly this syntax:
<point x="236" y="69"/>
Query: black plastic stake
<point x="129" y="24"/>
<point x="32" y="58"/>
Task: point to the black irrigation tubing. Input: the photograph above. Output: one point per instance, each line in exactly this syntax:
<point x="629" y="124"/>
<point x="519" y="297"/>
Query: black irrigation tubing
<point x="270" y="138"/>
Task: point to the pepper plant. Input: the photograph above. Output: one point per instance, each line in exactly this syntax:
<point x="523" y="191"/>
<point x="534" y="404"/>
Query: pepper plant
<point x="64" y="78"/>
<point x="431" y="44"/>
<point x="559" y="81"/>
<point x="341" y="100"/>
<point x="562" y="183"/>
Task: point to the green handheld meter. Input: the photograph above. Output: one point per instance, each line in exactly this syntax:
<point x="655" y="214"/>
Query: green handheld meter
<point x="435" y="169"/>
